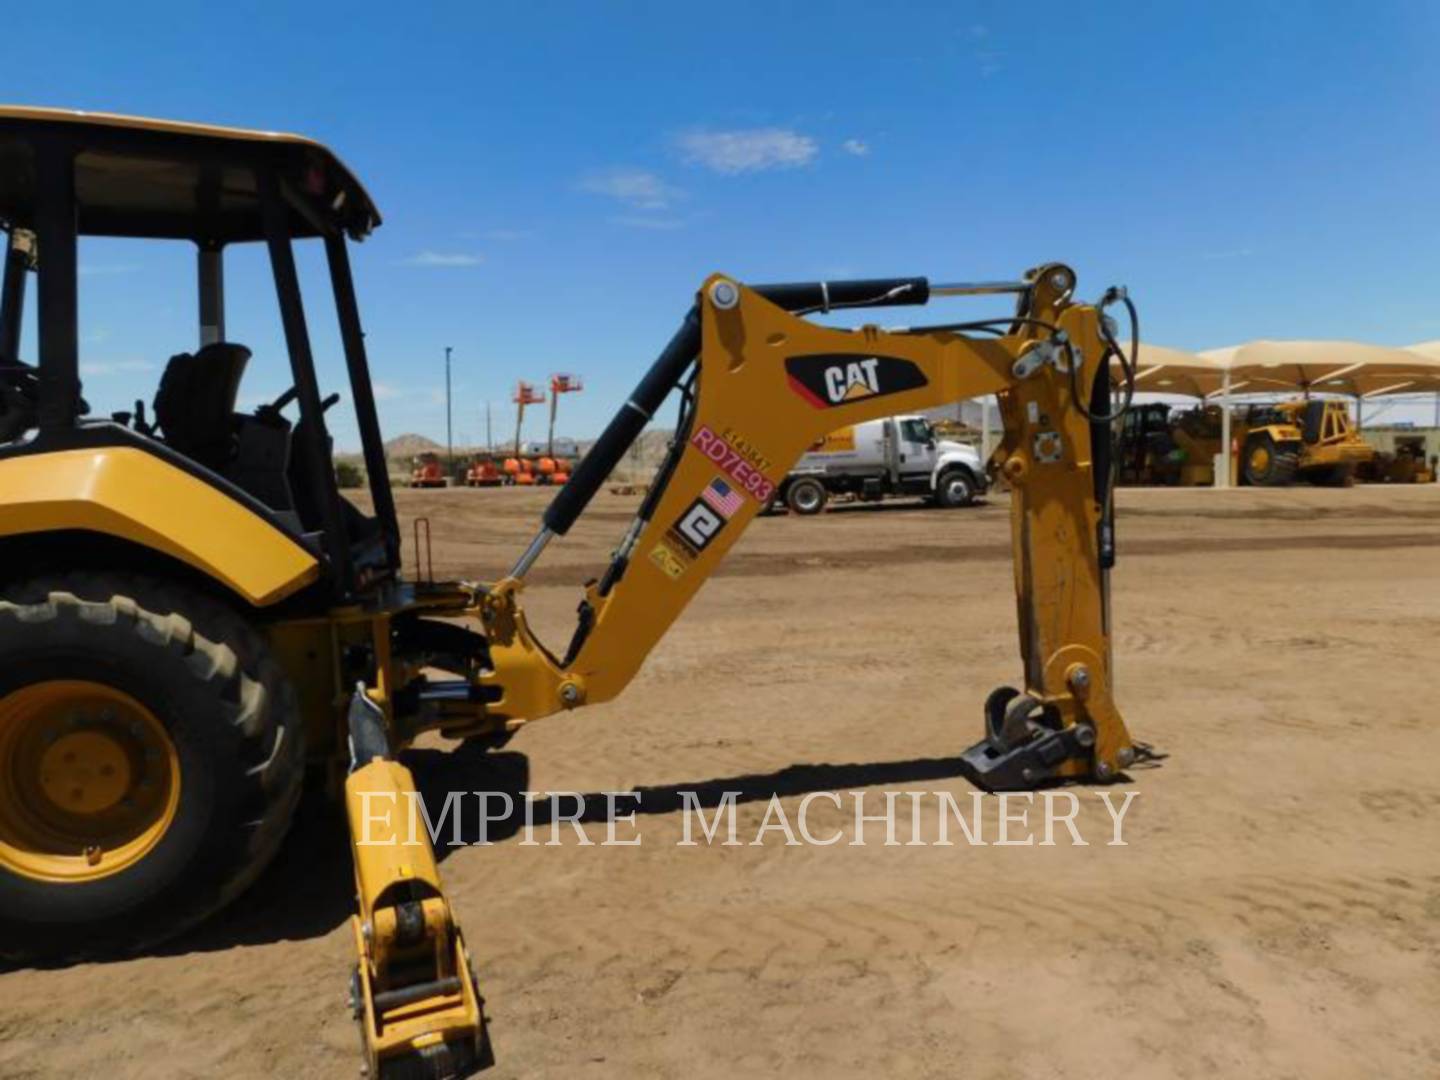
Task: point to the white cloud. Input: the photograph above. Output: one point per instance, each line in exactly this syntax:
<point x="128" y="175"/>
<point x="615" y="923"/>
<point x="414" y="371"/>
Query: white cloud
<point x="856" y="147"/>
<point x="748" y="150"/>
<point x="385" y="392"/>
<point x="636" y="221"/>
<point x="634" y="187"/>
<point x="443" y="258"/>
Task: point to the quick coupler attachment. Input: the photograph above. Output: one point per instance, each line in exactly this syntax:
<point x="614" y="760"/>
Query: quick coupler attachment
<point x="1026" y="744"/>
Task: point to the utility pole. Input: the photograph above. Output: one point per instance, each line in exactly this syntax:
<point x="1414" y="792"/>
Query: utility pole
<point x="449" y="437"/>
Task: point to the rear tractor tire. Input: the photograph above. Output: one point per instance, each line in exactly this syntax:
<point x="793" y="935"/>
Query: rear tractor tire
<point x="1266" y="463"/>
<point x="806" y="496"/>
<point x="151" y="757"/>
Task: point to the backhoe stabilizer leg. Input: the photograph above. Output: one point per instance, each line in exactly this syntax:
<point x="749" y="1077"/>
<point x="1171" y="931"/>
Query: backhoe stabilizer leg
<point x="413" y="992"/>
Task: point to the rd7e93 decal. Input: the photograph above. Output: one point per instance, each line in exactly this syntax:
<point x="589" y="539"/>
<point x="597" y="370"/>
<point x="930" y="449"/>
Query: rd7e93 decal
<point x="733" y="463"/>
<point x="826" y="380"/>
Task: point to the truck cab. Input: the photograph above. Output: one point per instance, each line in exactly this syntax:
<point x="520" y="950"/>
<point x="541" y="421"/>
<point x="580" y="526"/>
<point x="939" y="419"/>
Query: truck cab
<point x="878" y="459"/>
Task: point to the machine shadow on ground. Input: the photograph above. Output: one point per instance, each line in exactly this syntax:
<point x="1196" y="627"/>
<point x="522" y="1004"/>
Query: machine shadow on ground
<point x="308" y="891"/>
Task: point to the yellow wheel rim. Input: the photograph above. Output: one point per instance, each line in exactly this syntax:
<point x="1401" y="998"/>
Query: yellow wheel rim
<point x="89" y="781"/>
<point x="1260" y="459"/>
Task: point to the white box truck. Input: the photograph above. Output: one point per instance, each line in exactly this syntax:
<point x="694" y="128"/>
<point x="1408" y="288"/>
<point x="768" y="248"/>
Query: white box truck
<point x="879" y="459"/>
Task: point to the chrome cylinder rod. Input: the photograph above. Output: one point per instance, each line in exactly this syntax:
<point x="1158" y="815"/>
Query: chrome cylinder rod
<point x="527" y="560"/>
<point x="979" y="288"/>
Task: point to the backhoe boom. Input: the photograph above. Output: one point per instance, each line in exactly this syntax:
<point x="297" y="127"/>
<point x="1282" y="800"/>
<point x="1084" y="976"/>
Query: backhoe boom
<point x="768" y="383"/>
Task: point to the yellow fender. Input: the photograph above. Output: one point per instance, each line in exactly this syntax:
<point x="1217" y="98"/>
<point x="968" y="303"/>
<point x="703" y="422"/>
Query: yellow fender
<point x="133" y="495"/>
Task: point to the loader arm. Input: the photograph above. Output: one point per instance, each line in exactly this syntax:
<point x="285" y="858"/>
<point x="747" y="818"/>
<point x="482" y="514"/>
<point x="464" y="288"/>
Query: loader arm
<point x="764" y="384"/>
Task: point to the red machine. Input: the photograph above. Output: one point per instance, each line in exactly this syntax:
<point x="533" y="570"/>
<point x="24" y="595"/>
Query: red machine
<point x="483" y="472"/>
<point x="428" y="471"/>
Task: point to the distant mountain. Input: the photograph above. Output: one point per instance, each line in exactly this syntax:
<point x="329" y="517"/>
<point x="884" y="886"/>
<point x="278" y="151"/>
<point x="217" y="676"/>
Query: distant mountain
<point x="407" y="446"/>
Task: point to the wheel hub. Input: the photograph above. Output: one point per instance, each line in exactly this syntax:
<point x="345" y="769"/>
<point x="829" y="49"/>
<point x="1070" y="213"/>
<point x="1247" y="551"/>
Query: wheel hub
<point x="85" y="772"/>
<point x="89" y="780"/>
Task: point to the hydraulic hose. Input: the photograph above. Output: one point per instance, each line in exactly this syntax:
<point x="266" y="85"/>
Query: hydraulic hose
<point x="1128" y="364"/>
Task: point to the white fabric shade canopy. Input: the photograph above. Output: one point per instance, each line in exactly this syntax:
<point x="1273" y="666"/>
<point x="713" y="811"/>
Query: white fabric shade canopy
<point x="1335" y="367"/>
<point x="1429" y="349"/>
<point x="1173" y="371"/>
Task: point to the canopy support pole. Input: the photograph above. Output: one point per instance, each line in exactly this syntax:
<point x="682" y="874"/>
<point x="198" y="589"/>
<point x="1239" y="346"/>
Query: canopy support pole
<point x="1223" y="464"/>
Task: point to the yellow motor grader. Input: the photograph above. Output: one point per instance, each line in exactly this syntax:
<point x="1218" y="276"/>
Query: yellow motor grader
<point x="191" y="613"/>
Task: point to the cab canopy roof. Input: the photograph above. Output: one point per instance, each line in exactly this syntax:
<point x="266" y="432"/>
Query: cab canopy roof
<point x="163" y="179"/>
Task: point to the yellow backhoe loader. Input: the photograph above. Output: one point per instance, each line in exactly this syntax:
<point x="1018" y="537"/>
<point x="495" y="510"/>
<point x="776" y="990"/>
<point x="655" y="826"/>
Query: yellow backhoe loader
<point x="190" y="612"/>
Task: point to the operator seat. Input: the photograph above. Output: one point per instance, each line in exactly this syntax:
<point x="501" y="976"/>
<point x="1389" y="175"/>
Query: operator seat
<point x="195" y="404"/>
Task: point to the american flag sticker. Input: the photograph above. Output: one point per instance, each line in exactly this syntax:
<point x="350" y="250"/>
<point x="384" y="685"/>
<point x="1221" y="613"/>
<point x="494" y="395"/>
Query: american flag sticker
<point x="722" y="497"/>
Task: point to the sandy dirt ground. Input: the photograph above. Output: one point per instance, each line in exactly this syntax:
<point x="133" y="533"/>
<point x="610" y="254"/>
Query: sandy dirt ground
<point x="1275" y="913"/>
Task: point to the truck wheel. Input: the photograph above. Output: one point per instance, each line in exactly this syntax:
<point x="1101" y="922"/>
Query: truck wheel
<point x="151" y="756"/>
<point x="1266" y="463"/>
<point x="807" y="496"/>
<point x="954" y="489"/>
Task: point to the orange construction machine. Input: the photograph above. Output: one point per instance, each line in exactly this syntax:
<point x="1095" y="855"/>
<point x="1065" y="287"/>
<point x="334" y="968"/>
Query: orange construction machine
<point x="553" y="469"/>
<point x="519" y="469"/>
<point x="483" y="472"/>
<point x="428" y="471"/>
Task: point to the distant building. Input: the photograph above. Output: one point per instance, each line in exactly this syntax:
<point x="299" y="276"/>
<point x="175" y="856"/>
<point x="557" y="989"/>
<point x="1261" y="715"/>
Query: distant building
<point x="564" y="447"/>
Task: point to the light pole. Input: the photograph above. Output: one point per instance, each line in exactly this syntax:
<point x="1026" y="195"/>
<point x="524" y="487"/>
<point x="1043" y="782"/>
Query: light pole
<point x="449" y="438"/>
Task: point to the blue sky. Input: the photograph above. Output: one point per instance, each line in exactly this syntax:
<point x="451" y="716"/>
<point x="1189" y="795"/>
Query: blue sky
<point x="557" y="178"/>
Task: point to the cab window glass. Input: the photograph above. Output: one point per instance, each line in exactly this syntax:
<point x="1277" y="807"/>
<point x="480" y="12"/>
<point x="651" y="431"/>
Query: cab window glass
<point x="915" y="431"/>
